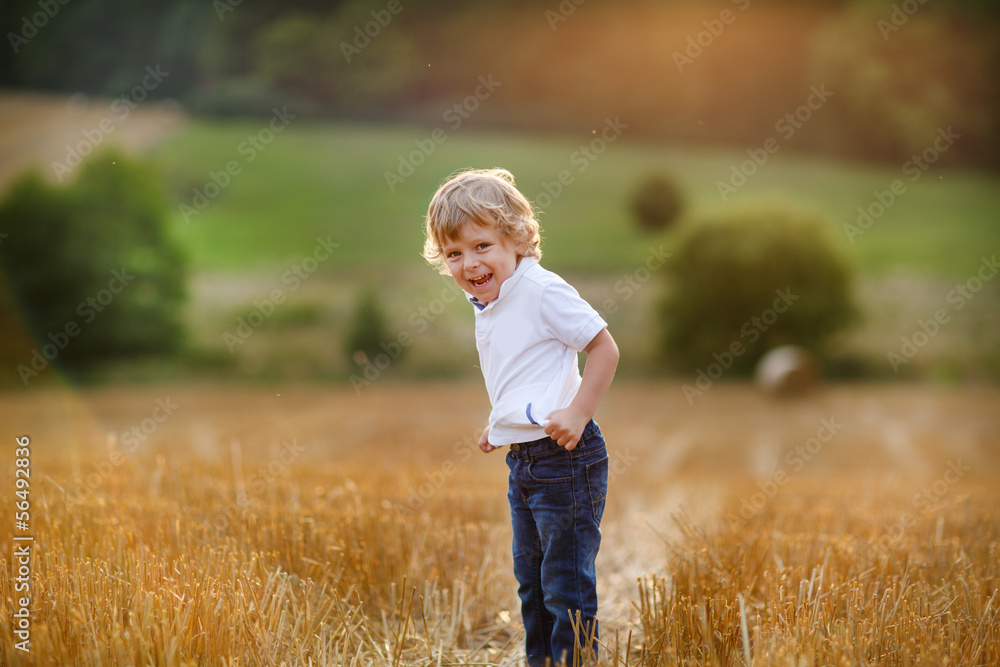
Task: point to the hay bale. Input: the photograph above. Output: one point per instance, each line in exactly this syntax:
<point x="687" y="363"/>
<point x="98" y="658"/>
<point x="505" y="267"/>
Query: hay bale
<point x="787" y="370"/>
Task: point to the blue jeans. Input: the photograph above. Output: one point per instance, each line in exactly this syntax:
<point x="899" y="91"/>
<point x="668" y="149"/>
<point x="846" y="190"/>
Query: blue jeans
<point x="556" y="504"/>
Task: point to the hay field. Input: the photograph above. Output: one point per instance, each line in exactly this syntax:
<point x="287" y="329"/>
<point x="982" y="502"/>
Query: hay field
<point x="234" y="525"/>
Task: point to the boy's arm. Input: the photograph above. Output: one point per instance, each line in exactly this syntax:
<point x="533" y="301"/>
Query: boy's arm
<point x="566" y="426"/>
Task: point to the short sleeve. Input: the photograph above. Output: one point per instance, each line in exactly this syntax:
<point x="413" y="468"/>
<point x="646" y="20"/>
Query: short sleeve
<point x="568" y="317"/>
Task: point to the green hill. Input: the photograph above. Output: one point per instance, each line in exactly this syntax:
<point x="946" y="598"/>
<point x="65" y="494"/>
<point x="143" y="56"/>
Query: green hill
<point x="330" y="179"/>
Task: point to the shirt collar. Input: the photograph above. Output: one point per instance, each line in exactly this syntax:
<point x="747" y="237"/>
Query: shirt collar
<point x="508" y="285"/>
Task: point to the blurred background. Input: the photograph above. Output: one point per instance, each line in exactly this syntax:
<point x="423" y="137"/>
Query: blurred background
<point x="234" y="365"/>
<point x="260" y="173"/>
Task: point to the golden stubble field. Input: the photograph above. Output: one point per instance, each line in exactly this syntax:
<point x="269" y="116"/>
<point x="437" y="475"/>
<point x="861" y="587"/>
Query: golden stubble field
<point x="234" y="525"/>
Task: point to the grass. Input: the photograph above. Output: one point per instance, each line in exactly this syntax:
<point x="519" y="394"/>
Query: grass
<point x="319" y="179"/>
<point x="306" y="526"/>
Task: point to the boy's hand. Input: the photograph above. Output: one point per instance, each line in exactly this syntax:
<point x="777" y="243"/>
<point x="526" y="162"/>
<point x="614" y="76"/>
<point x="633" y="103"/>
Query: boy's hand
<point x="484" y="441"/>
<point x="566" y="426"/>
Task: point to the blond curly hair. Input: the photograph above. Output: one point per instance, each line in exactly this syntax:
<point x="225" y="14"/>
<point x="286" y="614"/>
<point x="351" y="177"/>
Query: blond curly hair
<point x="488" y="198"/>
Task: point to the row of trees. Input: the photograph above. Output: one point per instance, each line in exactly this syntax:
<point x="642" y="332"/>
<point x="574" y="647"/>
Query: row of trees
<point x="724" y="72"/>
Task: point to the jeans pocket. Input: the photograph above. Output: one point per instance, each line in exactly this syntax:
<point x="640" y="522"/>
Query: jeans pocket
<point x="597" y="485"/>
<point x="554" y="466"/>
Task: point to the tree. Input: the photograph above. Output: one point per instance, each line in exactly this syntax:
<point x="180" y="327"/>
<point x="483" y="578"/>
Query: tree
<point x="744" y="282"/>
<point x="91" y="264"/>
<point x="657" y="203"/>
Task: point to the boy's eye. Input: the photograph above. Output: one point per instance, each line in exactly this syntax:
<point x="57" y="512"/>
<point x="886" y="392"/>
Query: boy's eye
<point x="453" y="253"/>
<point x="482" y="246"/>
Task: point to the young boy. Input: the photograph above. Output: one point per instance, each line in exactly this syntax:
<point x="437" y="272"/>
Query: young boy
<point x="530" y="325"/>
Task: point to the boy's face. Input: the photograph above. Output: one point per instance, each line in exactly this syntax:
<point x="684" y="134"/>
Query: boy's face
<point x="480" y="260"/>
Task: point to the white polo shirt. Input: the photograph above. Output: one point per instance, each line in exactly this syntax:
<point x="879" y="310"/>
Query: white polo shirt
<point x="528" y="340"/>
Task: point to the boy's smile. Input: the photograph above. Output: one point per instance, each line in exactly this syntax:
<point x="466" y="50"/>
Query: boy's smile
<point x="480" y="260"/>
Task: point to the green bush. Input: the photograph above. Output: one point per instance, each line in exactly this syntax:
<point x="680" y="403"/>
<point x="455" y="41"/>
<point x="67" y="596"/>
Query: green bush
<point x="368" y="330"/>
<point x="91" y="265"/>
<point x="744" y="282"/>
<point x="656" y="203"/>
